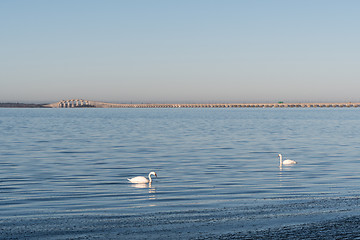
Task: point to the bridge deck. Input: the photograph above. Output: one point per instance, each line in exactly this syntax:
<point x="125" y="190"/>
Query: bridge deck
<point x="74" y="103"/>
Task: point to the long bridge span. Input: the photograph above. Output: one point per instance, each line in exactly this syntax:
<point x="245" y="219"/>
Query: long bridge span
<point x="79" y="103"/>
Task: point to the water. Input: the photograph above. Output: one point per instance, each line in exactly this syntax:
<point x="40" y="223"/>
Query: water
<point x="77" y="161"/>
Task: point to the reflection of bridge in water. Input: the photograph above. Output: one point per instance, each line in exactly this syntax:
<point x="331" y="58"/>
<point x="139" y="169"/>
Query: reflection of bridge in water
<point x="78" y="103"/>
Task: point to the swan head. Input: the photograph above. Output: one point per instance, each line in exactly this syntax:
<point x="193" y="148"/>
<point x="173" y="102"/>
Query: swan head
<point x="153" y="173"/>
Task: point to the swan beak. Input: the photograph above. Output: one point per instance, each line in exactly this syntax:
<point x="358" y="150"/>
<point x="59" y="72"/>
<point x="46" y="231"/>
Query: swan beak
<point x="155" y="175"/>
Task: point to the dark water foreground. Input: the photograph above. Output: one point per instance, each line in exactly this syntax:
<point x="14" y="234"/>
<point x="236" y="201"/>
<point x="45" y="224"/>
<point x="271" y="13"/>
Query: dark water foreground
<point x="327" y="218"/>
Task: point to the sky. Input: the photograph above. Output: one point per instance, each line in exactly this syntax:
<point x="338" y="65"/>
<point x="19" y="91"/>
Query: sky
<point x="188" y="51"/>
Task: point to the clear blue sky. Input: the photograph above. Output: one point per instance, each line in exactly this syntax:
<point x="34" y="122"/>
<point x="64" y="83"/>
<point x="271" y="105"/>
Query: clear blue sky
<point x="180" y="51"/>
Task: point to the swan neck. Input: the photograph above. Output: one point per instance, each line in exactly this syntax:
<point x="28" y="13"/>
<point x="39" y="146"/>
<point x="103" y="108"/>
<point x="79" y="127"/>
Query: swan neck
<point x="150" y="180"/>
<point x="280" y="156"/>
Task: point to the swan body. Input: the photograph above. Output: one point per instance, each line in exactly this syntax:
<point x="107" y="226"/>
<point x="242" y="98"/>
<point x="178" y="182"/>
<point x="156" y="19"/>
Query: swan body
<point x="142" y="179"/>
<point x="286" y="162"/>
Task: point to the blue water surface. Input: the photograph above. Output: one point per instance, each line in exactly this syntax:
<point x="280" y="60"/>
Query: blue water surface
<point x="64" y="161"/>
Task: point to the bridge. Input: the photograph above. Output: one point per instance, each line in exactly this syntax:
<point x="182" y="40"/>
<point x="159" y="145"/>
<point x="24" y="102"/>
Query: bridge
<point x="79" y="103"/>
<point x="71" y="103"/>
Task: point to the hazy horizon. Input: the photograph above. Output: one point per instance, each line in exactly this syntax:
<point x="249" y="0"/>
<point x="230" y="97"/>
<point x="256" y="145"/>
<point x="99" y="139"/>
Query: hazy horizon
<point x="180" y="51"/>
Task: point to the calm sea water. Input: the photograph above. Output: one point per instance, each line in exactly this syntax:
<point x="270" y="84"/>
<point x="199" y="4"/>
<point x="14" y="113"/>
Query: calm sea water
<point x="65" y="161"/>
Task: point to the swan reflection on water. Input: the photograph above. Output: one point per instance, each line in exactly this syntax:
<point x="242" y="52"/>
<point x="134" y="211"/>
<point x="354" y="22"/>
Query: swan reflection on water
<point x="143" y="185"/>
<point x="140" y="185"/>
<point x="152" y="190"/>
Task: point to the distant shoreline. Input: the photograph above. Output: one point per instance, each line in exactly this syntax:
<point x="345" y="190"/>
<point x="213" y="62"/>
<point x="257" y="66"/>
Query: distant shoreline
<point x="76" y="103"/>
<point x="22" y="105"/>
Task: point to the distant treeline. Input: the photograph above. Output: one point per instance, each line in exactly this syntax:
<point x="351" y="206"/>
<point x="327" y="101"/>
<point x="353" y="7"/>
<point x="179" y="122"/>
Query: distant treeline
<point x="21" y="105"/>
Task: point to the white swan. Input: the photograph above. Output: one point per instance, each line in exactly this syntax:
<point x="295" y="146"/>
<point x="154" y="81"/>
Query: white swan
<point x="142" y="179"/>
<point x="286" y="162"/>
